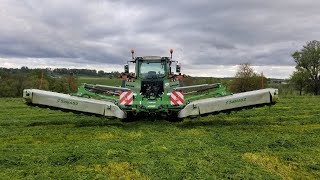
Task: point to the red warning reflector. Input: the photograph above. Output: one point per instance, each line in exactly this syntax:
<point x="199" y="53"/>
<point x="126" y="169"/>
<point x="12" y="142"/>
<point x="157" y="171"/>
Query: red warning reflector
<point x="126" y="98"/>
<point x="177" y="98"/>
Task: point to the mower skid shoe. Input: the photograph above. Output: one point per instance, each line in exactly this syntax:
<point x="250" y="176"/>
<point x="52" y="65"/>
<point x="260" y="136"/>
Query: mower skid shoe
<point x="65" y="101"/>
<point x="236" y="101"/>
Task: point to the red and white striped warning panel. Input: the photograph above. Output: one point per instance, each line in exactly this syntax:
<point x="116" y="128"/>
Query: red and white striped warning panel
<point x="126" y="98"/>
<point x="177" y="98"/>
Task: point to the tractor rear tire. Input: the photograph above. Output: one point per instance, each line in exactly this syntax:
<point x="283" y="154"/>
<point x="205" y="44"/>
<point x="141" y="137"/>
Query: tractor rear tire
<point x="130" y="118"/>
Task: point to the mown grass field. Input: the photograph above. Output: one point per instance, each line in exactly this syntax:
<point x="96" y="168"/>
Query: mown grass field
<point x="281" y="142"/>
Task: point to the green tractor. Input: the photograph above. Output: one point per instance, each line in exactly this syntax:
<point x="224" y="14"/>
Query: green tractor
<point x="153" y="89"/>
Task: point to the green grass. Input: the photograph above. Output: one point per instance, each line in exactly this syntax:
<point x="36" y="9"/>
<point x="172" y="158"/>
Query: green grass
<point x="100" y="80"/>
<point x="281" y="142"/>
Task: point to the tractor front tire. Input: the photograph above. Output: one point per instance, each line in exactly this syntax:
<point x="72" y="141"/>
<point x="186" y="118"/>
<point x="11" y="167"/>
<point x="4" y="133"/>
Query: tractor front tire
<point x="174" y="118"/>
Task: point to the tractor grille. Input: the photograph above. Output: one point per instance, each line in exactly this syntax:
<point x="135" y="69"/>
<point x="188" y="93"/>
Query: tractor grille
<point x="152" y="88"/>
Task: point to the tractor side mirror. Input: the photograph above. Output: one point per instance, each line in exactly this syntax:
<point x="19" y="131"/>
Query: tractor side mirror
<point x="178" y="68"/>
<point x="126" y="68"/>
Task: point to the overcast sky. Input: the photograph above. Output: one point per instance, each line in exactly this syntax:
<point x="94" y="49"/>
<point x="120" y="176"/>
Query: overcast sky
<point x="209" y="37"/>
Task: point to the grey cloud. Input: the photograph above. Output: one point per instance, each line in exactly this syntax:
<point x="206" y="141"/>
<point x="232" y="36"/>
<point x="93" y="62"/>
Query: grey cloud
<point x="204" y="31"/>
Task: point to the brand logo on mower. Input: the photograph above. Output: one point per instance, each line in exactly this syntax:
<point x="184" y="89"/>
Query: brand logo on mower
<point x="236" y="101"/>
<point x="67" y="102"/>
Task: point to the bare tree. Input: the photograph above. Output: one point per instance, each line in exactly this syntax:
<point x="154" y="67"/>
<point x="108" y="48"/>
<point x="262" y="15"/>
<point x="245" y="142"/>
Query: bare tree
<point x="245" y="80"/>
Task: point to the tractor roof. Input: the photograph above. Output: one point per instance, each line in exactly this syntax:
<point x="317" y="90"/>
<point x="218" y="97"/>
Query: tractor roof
<point x="152" y="58"/>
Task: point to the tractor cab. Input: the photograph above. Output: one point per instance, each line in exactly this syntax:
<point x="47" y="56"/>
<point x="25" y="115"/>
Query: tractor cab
<point x="151" y="67"/>
<point x="152" y="71"/>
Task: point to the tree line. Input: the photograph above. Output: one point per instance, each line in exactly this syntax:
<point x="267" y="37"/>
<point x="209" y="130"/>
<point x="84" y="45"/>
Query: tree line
<point x="12" y="84"/>
<point x="61" y="71"/>
<point x="14" y="80"/>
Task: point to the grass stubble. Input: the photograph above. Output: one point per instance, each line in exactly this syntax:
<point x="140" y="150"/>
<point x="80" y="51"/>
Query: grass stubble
<point x="278" y="142"/>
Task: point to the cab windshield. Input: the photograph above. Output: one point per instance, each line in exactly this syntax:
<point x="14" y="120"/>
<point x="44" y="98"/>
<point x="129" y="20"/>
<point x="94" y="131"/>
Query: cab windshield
<point x="152" y="70"/>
